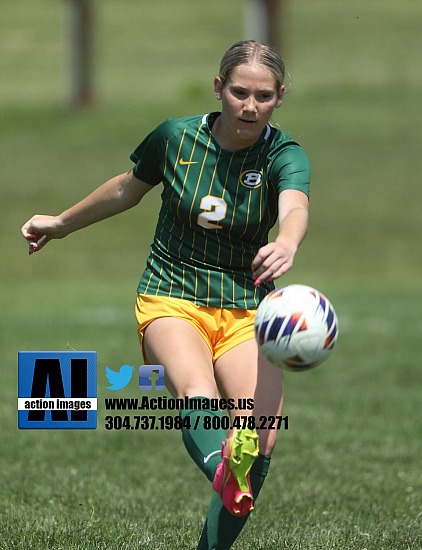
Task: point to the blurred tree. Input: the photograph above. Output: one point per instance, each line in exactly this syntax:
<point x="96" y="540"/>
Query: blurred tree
<point x="262" y="22"/>
<point x="81" y="31"/>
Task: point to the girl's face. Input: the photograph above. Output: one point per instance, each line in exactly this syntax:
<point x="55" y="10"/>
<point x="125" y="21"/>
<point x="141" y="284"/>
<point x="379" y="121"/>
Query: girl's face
<point x="249" y="98"/>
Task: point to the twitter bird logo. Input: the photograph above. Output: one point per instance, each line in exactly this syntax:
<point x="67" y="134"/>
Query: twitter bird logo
<point x="119" y="380"/>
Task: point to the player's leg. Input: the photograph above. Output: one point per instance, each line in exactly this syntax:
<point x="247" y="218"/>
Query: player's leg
<point x="242" y="373"/>
<point x="178" y="346"/>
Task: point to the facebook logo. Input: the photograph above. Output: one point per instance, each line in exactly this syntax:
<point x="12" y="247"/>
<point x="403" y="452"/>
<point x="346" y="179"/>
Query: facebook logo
<point x="151" y="377"/>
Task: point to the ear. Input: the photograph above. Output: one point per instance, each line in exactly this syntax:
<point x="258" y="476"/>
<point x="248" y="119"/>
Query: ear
<point x="281" y="91"/>
<point x="218" y="87"/>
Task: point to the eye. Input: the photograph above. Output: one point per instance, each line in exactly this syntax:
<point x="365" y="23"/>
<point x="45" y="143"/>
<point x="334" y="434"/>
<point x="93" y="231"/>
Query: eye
<point x="265" y="96"/>
<point x="238" y="92"/>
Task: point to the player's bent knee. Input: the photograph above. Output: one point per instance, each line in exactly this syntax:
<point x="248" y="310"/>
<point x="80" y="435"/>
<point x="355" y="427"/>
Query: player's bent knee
<point x="199" y="389"/>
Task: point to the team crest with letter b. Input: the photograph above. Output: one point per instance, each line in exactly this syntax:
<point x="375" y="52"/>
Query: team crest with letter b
<point x="251" y="178"/>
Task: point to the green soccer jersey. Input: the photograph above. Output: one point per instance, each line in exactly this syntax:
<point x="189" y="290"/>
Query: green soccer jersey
<point x="217" y="209"/>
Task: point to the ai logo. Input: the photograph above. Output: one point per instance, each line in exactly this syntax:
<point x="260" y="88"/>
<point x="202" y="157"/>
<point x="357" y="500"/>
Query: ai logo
<point x="57" y="390"/>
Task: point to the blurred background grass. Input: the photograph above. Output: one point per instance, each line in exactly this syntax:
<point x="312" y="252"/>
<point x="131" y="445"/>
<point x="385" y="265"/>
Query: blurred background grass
<point x="355" y="107"/>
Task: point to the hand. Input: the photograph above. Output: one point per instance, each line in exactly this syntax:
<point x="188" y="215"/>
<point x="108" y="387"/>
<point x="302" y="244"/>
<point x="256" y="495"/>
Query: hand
<point x="272" y="261"/>
<point x="39" y="230"/>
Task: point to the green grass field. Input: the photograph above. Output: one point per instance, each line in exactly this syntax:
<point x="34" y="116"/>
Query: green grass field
<point x="347" y="472"/>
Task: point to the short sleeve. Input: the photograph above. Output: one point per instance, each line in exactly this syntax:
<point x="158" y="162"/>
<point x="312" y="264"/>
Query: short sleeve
<point x="290" y="168"/>
<point x="149" y="156"/>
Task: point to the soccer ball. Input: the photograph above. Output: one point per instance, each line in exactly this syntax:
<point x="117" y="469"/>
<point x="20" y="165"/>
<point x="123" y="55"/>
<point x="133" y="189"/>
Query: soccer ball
<point x="296" y="327"/>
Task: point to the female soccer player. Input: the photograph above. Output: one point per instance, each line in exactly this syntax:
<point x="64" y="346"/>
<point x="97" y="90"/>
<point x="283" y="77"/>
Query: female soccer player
<point x="227" y="178"/>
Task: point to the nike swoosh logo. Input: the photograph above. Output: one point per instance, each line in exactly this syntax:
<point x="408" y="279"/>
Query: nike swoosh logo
<point x="206" y="458"/>
<point x="186" y="162"/>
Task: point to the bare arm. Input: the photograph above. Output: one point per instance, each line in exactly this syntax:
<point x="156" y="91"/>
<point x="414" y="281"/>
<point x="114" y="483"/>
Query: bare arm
<point x="277" y="257"/>
<point x="114" y="196"/>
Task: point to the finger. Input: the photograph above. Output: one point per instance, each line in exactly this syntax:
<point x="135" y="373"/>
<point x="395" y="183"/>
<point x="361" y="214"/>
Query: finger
<point x="31" y="237"/>
<point x="261" y="256"/>
<point x="42" y="242"/>
<point x="263" y="276"/>
<point x="32" y="243"/>
<point x="277" y="268"/>
<point x="37" y="243"/>
<point x="270" y="264"/>
<point x="28" y="233"/>
<point x="284" y="267"/>
<point x="267" y="255"/>
<point x="32" y="247"/>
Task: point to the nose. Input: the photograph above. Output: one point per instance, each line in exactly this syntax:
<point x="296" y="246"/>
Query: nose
<point x="249" y="105"/>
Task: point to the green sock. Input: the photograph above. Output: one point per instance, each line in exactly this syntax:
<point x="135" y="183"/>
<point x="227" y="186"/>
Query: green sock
<point x="222" y="528"/>
<point x="203" y="445"/>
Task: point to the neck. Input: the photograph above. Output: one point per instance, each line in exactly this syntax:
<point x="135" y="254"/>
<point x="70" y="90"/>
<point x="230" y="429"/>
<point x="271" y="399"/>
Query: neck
<point x="224" y="139"/>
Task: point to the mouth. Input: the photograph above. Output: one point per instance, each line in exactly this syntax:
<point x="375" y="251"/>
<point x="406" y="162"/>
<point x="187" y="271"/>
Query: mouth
<point x="246" y="121"/>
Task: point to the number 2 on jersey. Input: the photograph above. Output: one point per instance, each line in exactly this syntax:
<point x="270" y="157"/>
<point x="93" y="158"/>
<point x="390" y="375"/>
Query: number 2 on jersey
<point x="215" y="210"/>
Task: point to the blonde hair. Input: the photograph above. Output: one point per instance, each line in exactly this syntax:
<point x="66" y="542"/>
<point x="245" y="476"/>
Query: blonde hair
<point x="247" y="52"/>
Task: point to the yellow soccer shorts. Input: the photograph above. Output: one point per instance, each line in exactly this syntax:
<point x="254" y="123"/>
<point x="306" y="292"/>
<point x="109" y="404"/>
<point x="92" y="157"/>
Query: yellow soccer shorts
<point x="221" y="329"/>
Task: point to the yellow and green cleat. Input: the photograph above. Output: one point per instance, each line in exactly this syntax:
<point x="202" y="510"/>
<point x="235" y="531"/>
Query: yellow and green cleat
<point x="232" y="477"/>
